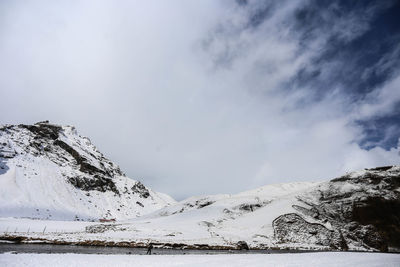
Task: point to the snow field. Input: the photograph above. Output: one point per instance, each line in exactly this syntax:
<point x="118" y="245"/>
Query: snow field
<point x="325" y="259"/>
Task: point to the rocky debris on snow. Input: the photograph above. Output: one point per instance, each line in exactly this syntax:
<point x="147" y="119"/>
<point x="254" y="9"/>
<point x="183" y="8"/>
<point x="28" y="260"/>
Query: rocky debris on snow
<point x="140" y="189"/>
<point x="250" y="207"/>
<point x="100" y="228"/>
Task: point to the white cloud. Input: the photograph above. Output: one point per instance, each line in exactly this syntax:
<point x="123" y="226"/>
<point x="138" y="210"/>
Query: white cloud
<point x="380" y="102"/>
<point x="182" y="94"/>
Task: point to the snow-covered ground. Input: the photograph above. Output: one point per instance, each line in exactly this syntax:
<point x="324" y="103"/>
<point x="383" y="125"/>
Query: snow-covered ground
<point x="218" y="220"/>
<point x="225" y="221"/>
<point x="55" y="187"/>
<point x="324" y="259"/>
<point x="221" y="219"/>
<point x="25" y="226"/>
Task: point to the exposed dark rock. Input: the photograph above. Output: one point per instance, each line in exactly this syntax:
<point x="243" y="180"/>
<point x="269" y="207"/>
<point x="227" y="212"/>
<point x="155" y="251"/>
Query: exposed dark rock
<point x="242" y="245"/>
<point x="3" y="166"/>
<point x="341" y="178"/>
<point x="84" y="166"/>
<point x="204" y="204"/>
<point x="7" y="154"/>
<point x="383" y="168"/>
<point x="250" y="207"/>
<point x="101" y="184"/>
<point x="44" y="130"/>
<point x="314" y="213"/>
<point x="383" y="218"/>
<point x="291" y="228"/>
<point x="365" y="208"/>
<point x="140" y="189"/>
<point x="342" y="242"/>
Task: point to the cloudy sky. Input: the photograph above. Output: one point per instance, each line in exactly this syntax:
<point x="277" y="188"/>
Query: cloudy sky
<point x="211" y="96"/>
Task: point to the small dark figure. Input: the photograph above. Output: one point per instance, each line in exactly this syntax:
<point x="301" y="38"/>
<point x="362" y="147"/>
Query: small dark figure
<point x="149" y="249"/>
<point x="243" y="245"/>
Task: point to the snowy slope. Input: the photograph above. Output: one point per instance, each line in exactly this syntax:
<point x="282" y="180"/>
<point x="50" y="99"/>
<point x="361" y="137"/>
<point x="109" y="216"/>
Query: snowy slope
<point x="51" y="172"/>
<point x="222" y="220"/>
<point x="358" y="211"/>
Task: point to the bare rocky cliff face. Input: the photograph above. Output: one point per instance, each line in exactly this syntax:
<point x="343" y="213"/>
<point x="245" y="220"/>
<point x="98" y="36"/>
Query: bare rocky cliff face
<point x="361" y="209"/>
<point x="28" y="149"/>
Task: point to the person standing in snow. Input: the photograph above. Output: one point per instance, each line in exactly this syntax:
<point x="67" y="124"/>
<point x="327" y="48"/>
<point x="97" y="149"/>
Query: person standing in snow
<point x="149" y="249"/>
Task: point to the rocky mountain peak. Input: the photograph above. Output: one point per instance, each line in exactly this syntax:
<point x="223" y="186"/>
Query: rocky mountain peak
<point x="35" y="150"/>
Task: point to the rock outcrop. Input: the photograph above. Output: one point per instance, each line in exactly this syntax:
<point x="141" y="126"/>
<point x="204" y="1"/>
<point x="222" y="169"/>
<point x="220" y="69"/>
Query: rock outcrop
<point x="362" y="208"/>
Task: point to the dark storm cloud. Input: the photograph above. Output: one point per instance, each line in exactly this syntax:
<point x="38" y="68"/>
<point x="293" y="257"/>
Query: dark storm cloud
<point x="358" y="64"/>
<point x="201" y="97"/>
<point x="382" y="131"/>
<point x="359" y="53"/>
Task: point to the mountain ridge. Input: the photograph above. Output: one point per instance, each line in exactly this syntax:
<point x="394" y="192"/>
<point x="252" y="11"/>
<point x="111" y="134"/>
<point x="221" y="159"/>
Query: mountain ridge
<point x="59" y="159"/>
<point x="51" y="172"/>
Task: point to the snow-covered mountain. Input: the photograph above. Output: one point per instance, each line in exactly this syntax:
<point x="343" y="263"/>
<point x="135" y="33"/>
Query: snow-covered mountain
<point x="51" y="172"/>
<point x="358" y="211"/>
